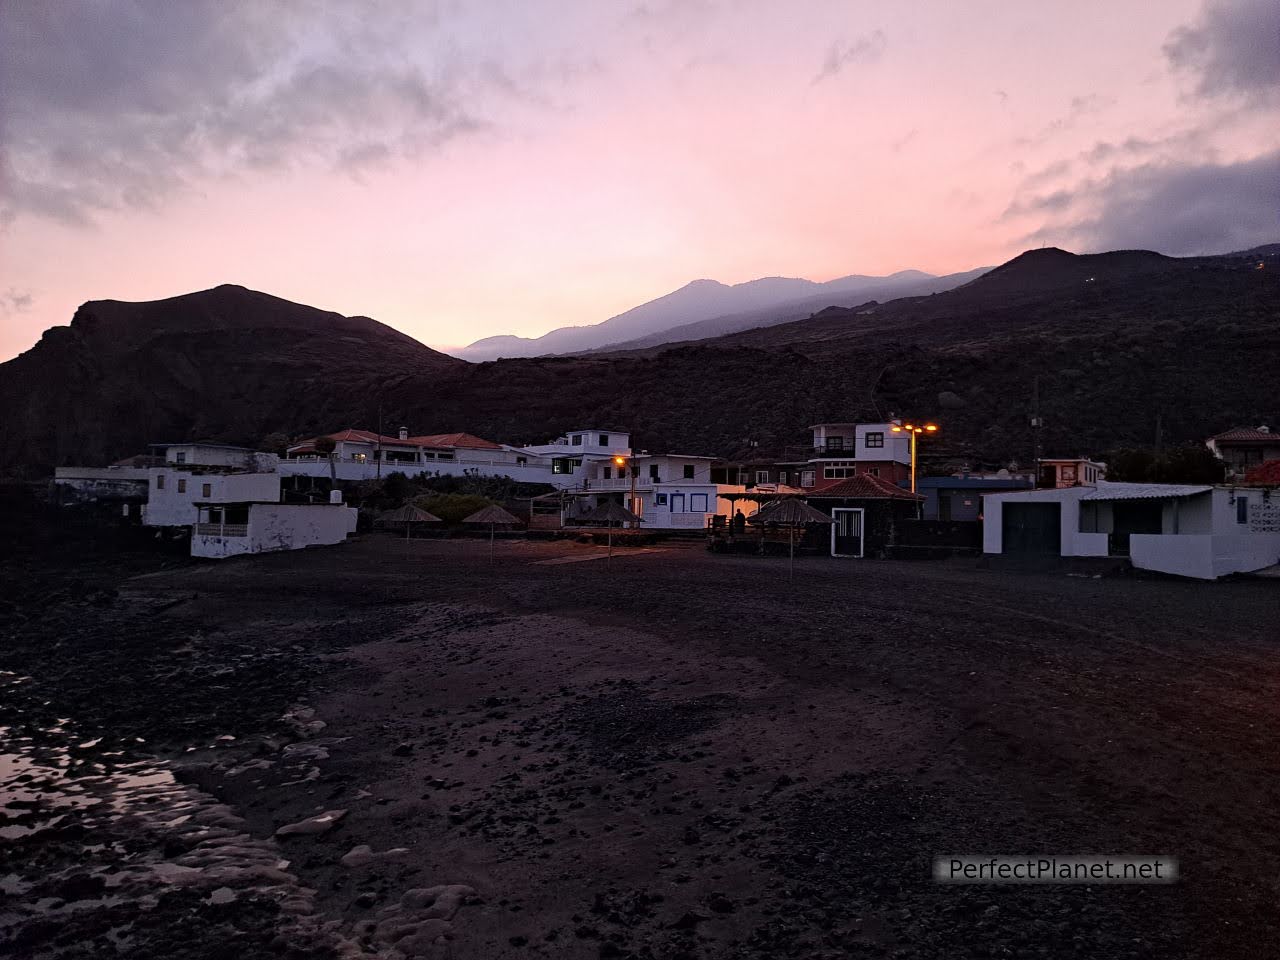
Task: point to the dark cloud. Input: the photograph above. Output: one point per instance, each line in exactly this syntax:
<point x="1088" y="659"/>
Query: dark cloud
<point x="865" y="49"/>
<point x="121" y="104"/>
<point x="1232" y="48"/>
<point x="1181" y="210"/>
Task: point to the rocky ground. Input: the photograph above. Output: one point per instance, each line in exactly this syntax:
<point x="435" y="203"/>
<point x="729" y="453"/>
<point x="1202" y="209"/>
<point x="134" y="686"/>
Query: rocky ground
<point x="400" y="750"/>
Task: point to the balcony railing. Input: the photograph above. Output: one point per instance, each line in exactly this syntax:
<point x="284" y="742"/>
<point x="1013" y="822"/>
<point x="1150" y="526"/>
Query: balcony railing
<point x="222" y="529"/>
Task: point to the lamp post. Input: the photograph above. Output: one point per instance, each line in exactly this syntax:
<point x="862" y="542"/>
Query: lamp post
<point x="914" y="431"/>
<point x="629" y="464"/>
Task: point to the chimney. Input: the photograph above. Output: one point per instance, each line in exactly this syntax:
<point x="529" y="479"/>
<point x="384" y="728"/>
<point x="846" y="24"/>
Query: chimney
<point x="404" y="433"/>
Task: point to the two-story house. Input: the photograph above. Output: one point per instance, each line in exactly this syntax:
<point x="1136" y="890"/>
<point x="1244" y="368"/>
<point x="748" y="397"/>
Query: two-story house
<point x="845" y="450"/>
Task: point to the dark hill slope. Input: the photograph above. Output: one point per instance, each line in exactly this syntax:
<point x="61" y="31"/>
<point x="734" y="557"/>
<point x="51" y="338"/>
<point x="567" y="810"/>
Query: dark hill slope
<point x="226" y="364"/>
<point x="1195" y="342"/>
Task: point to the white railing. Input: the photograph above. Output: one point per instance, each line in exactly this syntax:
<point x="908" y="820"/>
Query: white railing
<point x="222" y="529"/>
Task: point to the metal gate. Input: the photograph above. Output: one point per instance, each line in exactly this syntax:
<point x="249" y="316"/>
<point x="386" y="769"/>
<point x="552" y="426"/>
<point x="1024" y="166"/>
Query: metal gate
<point x="847" y="532"/>
<point x="1033" y="529"/>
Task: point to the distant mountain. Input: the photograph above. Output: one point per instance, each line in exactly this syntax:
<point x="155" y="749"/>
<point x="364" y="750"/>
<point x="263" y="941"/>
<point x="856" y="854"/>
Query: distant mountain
<point x="719" y="307"/>
<point x="848" y="292"/>
<point x="227" y="364"/>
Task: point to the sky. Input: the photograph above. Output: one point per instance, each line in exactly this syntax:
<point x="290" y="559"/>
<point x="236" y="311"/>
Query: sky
<point x="464" y="169"/>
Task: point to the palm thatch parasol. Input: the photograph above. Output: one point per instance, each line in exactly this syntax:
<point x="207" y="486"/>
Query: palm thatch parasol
<point x="495" y="517"/>
<point x="408" y="514"/>
<point x="610" y="513"/>
<point x="790" y="513"/>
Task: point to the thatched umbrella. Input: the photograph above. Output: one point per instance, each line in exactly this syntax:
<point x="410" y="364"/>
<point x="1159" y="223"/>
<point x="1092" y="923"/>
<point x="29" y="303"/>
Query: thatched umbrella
<point x="495" y="517"/>
<point x="408" y="514"/>
<point x="790" y="513"/>
<point x="610" y="513"/>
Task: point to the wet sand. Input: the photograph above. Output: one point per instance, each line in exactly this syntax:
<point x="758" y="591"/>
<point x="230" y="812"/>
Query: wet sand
<point x="669" y="754"/>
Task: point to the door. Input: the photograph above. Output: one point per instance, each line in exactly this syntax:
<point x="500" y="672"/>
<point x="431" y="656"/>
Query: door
<point x="1130" y="517"/>
<point x="677" y="503"/>
<point x="1032" y="529"/>
<point x="846" y="532"/>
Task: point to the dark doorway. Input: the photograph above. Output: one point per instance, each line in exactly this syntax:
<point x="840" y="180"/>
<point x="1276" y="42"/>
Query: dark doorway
<point x="1130" y="517"/>
<point x="1032" y="529"/>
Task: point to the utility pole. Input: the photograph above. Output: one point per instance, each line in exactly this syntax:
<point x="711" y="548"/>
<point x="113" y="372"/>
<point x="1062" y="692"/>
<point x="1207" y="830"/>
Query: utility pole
<point x="1036" y="423"/>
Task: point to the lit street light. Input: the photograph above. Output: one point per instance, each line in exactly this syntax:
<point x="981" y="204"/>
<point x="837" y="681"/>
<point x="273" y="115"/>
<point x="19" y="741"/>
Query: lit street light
<point x="914" y="430"/>
<point x="628" y="463"/>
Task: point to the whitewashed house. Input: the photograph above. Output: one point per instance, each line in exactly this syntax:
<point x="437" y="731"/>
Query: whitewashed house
<point x="1192" y="530"/>
<point x="364" y="455"/>
<point x="231" y="529"/>
<point x="668" y="491"/>
<point x="206" y="472"/>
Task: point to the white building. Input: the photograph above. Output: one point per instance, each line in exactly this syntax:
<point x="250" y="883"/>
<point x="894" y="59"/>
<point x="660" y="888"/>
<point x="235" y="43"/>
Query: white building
<point x="1069" y="472"/>
<point x="229" y="529"/>
<point x="363" y="455"/>
<point x="845" y="450"/>
<point x="671" y="491"/>
<point x="174" y="492"/>
<point x="1192" y="530"/>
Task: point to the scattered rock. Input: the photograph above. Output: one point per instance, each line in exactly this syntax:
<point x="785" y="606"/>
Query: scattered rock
<point x="312" y="826"/>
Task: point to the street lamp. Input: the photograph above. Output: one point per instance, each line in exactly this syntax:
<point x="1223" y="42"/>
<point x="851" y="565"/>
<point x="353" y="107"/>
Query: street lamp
<point x="628" y="463"/>
<point x="914" y="430"/>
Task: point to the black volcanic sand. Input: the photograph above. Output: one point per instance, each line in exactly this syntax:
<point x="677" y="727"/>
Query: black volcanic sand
<point x="670" y="754"/>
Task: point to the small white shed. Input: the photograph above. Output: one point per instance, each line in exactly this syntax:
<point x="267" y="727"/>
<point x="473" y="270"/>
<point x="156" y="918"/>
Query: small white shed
<point x="230" y="529"/>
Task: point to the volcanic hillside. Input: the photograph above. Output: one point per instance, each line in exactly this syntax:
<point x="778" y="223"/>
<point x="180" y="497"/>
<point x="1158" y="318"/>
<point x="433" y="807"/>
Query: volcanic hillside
<point x="1114" y="340"/>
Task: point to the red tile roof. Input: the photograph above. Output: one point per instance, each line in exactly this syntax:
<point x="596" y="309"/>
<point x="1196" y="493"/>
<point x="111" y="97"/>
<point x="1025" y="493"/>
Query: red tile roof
<point x="1264" y="474"/>
<point x="1248" y="435"/>
<point x="453" y="440"/>
<point x="864" y="487"/>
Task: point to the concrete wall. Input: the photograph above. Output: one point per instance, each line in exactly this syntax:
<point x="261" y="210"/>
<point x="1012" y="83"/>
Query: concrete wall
<point x="503" y="465"/>
<point x="173" y="506"/>
<point x="79" y="484"/>
<point x="280" y="526"/>
<point x="1204" y="556"/>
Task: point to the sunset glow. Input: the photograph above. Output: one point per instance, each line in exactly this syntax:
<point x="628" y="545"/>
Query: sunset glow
<point x="515" y="167"/>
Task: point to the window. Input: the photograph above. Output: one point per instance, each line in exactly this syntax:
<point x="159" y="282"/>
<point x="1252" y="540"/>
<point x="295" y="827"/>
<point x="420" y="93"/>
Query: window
<point x="560" y="464"/>
<point x="607" y="473"/>
<point x="522" y="461"/>
<point x="577" y="439"/>
<point x="1069" y="473"/>
<point x="182" y="485"/>
<point x="180" y="457"/>
<point x="604" y="439"/>
<point x="159" y="481"/>
<point x="837" y="473"/>
<point x="762" y="476"/>
<point x="653" y="472"/>
<point x="806" y="478"/>
<point x="206" y="490"/>
<point x="698" y="503"/>
<point x="660" y="499"/>
<point x="1242" y="509"/>
<point x="874" y="439"/>
<point x="688" y="471"/>
<point x="835" y="443"/>
<point x="874" y="471"/>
